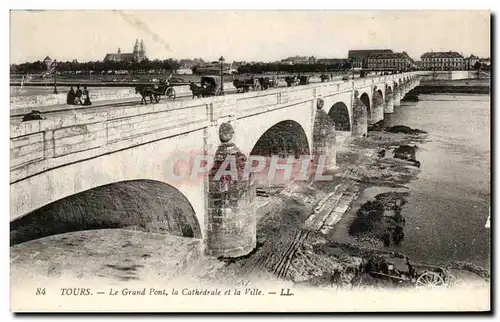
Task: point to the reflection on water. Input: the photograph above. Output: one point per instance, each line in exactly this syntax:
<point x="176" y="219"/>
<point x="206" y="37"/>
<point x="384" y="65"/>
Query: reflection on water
<point x="450" y="201"/>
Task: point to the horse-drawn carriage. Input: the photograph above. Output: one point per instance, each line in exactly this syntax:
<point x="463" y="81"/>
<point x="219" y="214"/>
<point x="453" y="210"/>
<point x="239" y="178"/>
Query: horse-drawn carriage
<point x="243" y="86"/>
<point x="304" y="80"/>
<point x="155" y="91"/>
<point x="324" y="78"/>
<point x="209" y="86"/>
<point x="292" y="80"/>
<point x="260" y="83"/>
<point x="297" y="80"/>
<point x="268" y="82"/>
<point x="430" y="277"/>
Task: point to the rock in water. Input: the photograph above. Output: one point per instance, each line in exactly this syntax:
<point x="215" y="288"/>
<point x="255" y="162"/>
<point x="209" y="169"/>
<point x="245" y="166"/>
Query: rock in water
<point x="405" y="152"/>
<point x="379" y="126"/>
<point x="400" y="129"/>
<point x="403" y="129"/>
<point x="410" y="98"/>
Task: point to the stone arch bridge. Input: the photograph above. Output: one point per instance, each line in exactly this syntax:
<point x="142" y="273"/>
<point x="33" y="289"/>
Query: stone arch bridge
<point x="128" y="150"/>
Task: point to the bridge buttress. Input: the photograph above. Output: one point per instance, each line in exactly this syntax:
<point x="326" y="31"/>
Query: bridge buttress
<point x="378" y="106"/>
<point x="324" y="138"/>
<point x="397" y="95"/>
<point x="231" y="223"/>
<point x="359" y="116"/>
<point x="389" y="102"/>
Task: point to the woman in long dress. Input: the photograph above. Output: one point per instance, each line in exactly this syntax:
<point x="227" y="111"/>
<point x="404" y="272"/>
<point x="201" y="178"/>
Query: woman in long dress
<point x="86" y="97"/>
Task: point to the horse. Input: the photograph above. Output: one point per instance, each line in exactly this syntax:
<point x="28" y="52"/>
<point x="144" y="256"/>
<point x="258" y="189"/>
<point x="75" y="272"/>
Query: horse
<point x="145" y="91"/>
<point x="273" y="82"/>
<point x="242" y="86"/>
<point x="162" y="88"/>
<point x="292" y="80"/>
<point x="199" y="91"/>
<point x="255" y="84"/>
<point x="264" y="82"/>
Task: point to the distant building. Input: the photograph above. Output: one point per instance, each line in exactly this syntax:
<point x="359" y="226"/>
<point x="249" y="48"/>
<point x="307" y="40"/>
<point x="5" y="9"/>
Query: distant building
<point x="299" y="60"/>
<point x="470" y="61"/>
<point x="485" y="61"/>
<point x="213" y="68"/>
<point x="444" y="60"/>
<point x="359" y="57"/>
<point x="237" y="64"/>
<point x="137" y="55"/>
<point x="328" y="61"/>
<point x="184" y="71"/>
<point x="48" y="62"/>
<point x="390" y="61"/>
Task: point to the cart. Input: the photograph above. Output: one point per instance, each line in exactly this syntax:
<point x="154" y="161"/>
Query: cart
<point x="304" y="80"/>
<point x="163" y="88"/>
<point x="429" y="278"/>
<point x="209" y="86"/>
<point x="325" y="78"/>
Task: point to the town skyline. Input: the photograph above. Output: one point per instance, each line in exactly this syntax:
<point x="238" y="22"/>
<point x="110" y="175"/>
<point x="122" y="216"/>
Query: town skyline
<point x="467" y="32"/>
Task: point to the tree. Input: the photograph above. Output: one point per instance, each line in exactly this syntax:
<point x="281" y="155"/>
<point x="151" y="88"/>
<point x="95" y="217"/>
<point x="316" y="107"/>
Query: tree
<point x="477" y="66"/>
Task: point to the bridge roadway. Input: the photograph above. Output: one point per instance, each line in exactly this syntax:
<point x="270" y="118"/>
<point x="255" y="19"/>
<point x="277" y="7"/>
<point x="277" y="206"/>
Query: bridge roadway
<point x="131" y="148"/>
<point x="62" y="109"/>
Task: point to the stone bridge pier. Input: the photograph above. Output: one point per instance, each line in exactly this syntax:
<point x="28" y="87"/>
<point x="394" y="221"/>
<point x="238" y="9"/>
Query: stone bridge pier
<point x="359" y="116"/>
<point x="389" y="101"/>
<point x="397" y="95"/>
<point x="231" y="223"/>
<point x="378" y="105"/>
<point x="404" y="89"/>
<point x="324" y="138"/>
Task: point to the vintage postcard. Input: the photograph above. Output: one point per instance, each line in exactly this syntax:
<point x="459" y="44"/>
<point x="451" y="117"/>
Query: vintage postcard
<point x="250" y="161"/>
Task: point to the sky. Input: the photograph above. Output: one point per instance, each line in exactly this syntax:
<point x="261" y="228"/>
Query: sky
<point x="243" y="35"/>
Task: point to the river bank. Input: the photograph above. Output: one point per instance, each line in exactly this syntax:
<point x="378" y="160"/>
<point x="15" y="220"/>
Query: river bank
<point x="461" y="86"/>
<point x="304" y="237"/>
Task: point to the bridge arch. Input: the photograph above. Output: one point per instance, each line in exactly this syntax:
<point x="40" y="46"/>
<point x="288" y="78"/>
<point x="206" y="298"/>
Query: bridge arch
<point x="395" y="88"/>
<point x="143" y="205"/>
<point x="382" y="94"/>
<point x="388" y="100"/>
<point x="340" y="116"/>
<point x="365" y="98"/>
<point x="284" y="138"/>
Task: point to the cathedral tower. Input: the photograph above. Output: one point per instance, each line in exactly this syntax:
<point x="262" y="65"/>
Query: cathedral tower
<point x="142" y="51"/>
<point x="136" y="51"/>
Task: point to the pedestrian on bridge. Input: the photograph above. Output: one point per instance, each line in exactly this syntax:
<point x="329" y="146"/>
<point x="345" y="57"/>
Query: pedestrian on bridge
<point x="78" y="100"/>
<point x="86" y="97"/>
<point x="70" y="100"/>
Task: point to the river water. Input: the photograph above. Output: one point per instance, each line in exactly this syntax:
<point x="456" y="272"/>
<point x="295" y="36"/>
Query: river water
<point x="450" y="201"/>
